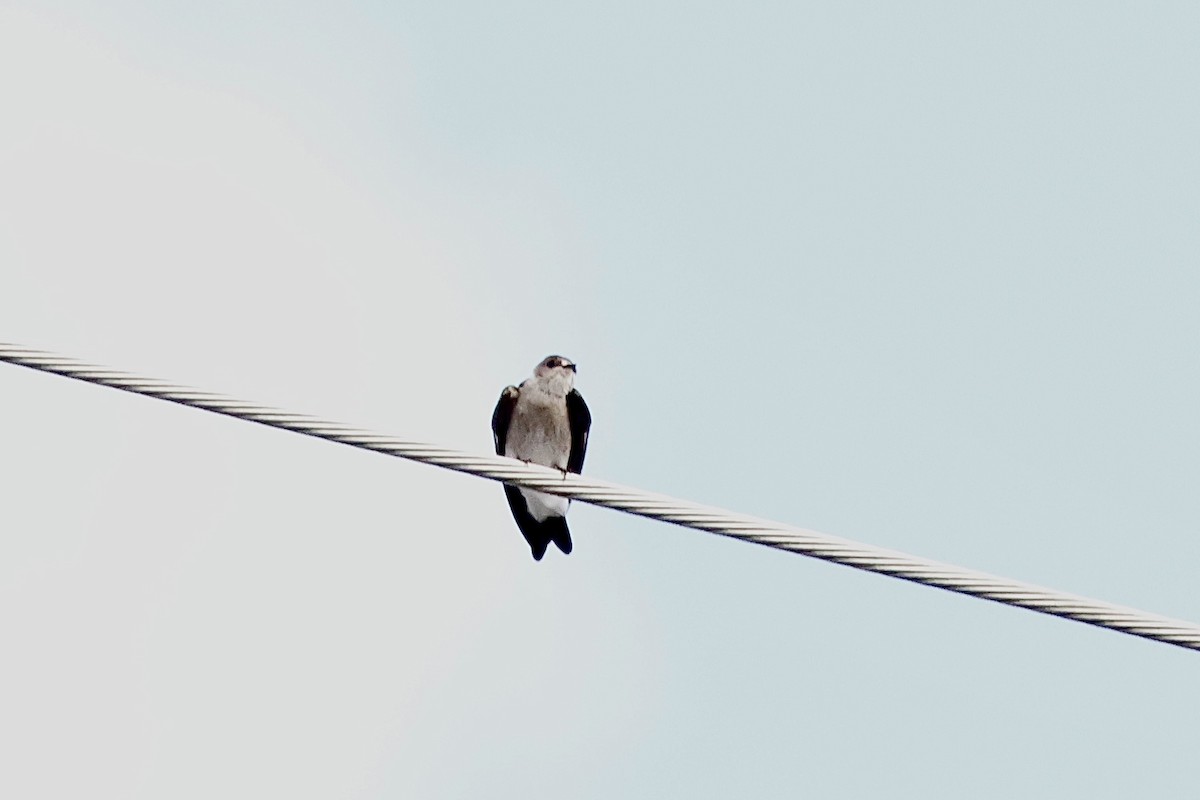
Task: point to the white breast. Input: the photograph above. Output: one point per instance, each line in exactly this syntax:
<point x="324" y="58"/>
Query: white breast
<point x="539" y="430"/>
<point x="540" y="433"/>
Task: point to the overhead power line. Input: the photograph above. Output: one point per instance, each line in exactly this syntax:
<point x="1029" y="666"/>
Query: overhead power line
<point x="642" y="503"/>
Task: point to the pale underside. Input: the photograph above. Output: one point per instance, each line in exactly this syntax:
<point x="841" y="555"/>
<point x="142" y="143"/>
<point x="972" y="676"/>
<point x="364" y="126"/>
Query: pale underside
<point x="540" y="433"/>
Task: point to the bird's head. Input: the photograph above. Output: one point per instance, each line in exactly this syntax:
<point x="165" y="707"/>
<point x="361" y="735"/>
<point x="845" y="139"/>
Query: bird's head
<point x="557" y="367"/>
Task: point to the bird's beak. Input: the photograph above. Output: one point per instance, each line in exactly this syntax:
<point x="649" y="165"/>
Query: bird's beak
<point x="571" y="367"/>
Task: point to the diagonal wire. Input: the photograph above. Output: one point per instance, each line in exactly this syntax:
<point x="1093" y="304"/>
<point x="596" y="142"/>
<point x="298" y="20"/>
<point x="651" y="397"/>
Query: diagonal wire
<point x="642" y="503"/>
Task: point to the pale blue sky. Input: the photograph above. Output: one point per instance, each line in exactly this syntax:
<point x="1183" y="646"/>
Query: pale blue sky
<point x="922" y="275"/>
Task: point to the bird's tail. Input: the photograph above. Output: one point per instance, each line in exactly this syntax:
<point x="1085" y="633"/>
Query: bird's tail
<point x="538" y="542"/>
<point x="555" y="529"/>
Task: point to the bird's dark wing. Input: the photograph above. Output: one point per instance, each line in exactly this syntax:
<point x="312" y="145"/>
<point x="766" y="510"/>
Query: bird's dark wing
<point x="580" y="420"/>
<point x="502" y="416"/>
<point x="539" y="535"/>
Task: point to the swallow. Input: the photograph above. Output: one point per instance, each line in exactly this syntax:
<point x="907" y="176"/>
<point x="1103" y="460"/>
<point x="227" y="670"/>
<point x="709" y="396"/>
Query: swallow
<point x="543" y="421"/>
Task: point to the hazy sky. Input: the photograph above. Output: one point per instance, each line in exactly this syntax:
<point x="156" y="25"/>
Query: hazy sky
<point x="923" y="275"/>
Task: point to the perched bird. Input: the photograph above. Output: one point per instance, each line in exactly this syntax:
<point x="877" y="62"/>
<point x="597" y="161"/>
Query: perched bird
<point x="543" y="421"/>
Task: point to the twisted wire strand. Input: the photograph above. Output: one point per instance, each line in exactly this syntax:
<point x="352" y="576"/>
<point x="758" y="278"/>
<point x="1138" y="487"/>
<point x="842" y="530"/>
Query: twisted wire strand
<point x="646" y="504"/>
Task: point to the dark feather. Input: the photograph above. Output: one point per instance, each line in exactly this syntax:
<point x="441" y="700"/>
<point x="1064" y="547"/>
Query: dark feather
<point x="537" y="534"/>
<point x="580" y="420"/>
<point x="502" y="416"/>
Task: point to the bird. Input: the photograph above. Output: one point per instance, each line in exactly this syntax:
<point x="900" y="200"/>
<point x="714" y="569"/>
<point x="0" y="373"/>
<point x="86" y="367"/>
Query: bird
<point x="543" y="421"/>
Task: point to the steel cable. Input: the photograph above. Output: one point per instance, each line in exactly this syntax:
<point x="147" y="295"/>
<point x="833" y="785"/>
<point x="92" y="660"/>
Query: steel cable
<point x="642" y="503"/>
